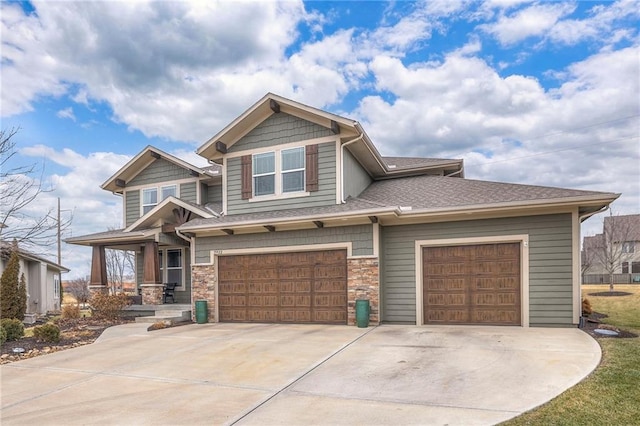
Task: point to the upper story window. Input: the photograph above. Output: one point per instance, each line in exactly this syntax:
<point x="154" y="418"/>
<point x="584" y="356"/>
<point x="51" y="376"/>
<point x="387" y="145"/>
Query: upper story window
<point x="293" y="170"/>
<point x="264" y="174"/>
<point x="628" y="247"/>
<point x="150" y="196"/>
<point x="290" y="172"/>
<point x="279" y="172"/>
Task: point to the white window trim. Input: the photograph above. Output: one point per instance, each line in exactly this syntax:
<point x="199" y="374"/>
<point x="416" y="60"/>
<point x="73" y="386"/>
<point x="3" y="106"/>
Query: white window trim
<point x="164" y="270"/>
<point x="278" y="194"/>
<point x="56" y="286"/>
<point x="158" y="189"/>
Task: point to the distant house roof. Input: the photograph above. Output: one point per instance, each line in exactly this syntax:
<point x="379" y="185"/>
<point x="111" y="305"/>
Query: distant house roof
<point x="625" y="227"/>
<point x="5" y="252"/>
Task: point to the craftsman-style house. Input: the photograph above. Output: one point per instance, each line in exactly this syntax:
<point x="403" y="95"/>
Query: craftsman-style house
<point x="299" y="215"/>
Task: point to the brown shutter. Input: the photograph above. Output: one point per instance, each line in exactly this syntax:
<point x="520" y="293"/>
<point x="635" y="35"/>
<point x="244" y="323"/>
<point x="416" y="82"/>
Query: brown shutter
<point x="246" y="176"/>
<point x="312" y="168"/>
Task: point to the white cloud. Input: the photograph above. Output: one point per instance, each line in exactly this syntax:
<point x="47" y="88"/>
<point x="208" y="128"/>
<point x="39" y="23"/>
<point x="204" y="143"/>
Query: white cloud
<point x="535" y="20"/>
<point x="66" y="113"/>
<point x="587" y="128"/>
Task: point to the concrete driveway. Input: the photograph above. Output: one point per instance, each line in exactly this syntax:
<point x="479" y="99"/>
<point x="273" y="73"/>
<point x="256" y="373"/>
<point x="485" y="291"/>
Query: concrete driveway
<point x="298" y="374"/>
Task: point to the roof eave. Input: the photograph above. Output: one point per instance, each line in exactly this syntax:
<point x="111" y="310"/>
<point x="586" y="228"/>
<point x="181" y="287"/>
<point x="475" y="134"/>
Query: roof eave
<point x="291" y="219"/>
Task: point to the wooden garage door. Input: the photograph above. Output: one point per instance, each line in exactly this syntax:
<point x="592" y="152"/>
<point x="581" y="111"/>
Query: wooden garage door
<point x="305" y="287"/>
<point x="474" y="284"/>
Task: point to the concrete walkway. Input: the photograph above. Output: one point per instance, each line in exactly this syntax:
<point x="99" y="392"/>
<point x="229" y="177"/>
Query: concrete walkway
<point x="297" y="374"/>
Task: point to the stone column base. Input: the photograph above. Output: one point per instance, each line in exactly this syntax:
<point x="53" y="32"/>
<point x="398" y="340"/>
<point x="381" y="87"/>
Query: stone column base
<point x="98" y="289"/>
<point x="152" y="294"/>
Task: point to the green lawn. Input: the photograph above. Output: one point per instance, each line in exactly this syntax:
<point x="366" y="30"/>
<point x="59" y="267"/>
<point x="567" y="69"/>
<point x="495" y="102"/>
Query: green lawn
<point x="611" y="394"/>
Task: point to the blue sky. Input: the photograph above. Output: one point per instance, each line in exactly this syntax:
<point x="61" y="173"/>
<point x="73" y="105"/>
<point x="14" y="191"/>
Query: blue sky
<point x="542" y="93"/>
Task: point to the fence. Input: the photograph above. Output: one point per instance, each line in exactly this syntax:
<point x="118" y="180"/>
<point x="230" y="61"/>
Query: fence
<point x="617" y="278"/>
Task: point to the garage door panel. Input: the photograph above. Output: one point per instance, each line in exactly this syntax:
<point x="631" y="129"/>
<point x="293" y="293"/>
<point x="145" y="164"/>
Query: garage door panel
<point x="289" y="287"/>
<point x="472" y="284"/>
<point x="261" y="273"/>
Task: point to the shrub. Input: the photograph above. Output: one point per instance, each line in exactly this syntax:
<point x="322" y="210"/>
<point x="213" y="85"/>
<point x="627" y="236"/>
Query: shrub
<point x="71" y="311"/>
<point x="3" y="336"/>
<point x="47" y="333"/>
<point x="108" y="306"/>
<point x="13" y="302"/>
<point x="586" y="307"/>
<point x="13" y="328"/>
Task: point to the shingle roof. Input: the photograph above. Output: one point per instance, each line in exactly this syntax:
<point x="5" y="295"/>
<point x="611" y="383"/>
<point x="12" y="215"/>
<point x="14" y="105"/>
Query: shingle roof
<point x="412" y="162"/>
<point x="352" y="205"/>
<point x="6" y="248"/>
<point x="625" y="227"/>
<point x="426" y="192"/>
<point x="421" y="192"/>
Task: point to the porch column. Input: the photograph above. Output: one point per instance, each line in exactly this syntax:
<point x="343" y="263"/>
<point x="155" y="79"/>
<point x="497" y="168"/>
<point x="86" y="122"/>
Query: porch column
<point x="151" y="282"/>
<point x="98" y="280"/>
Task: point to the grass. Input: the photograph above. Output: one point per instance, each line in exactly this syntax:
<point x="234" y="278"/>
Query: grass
<point x="611" y="394"/>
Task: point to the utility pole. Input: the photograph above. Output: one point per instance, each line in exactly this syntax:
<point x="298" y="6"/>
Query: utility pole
<point x="59" y="237"/>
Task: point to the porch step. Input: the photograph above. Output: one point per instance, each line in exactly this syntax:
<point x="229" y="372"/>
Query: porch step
<point x="167" y="317"/>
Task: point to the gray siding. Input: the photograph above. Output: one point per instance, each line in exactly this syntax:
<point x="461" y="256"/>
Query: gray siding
<point x="326" y="194"/>
<point x="360" y="235"/>
<point x="279" y="129"/>
<point x="132" y="199"/>
<point x="550" y="263"/>
<point x="355" y="178"/>
<point x="188" y="192"/>
<point x="160" y="171"/>
<point x="213" y="194"/>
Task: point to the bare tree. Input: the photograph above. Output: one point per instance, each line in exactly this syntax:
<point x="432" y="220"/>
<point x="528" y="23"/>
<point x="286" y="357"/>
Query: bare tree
<point x="611" y="246"/>
<point x="79" y="288"/>
<point x="120" y="264"/>
<point x="20" y="187"/>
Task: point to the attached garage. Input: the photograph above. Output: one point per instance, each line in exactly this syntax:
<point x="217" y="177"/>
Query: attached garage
<point x="472" y="284"/>
<point x="301" y="287"/>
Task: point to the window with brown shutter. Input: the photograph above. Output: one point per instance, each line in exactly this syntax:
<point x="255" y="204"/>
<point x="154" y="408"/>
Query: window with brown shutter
<point x="312" y="168"/>
<point x="246" y="176"/>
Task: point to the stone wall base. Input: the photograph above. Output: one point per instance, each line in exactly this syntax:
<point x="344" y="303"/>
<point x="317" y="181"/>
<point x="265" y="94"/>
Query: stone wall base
<point x="204" y="280"/>
<point x="98" y="289"/>
<point x="363" y="282"/>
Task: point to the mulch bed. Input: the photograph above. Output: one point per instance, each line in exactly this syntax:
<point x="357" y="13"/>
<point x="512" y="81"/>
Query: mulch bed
<point x="593" y="322"/>
<point x="73" y="333"/>
<point x="610" y="293"/>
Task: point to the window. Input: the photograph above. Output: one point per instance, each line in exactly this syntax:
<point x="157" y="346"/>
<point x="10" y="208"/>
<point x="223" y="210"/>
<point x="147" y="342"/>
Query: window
<point x="149" y="199"/>
<point x="625" y="267"/>
<point x="171" y="266"/>
<point x="628" y="247"/>
<point x="169" y="191"/>
<point x="264" y="174"/>
<point x="56" y="286"/>
<point x="293" y="170"/>
<point x="635" y="267"/>
<point x="150" y="196"/>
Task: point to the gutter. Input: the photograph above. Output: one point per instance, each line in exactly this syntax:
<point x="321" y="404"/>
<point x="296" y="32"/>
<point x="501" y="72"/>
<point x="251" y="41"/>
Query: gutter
<point x="586" y="216"/>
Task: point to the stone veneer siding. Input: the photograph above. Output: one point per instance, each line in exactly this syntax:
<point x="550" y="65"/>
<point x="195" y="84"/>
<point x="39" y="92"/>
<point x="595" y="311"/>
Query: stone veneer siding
<point x="152" y="294"/>
<point x="204" y="280"/>
<point x="363" y="282"/>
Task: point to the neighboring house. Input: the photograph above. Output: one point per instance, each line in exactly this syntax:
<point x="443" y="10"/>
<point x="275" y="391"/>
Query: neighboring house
<point x="299" y="216"/>
<point x="42" y="276"/>
<point x="620" y="240"/>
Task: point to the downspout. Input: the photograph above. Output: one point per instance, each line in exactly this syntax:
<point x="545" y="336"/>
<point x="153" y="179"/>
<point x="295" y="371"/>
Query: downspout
<point x="456" y="172"/>
<point x="356" y="139"/>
